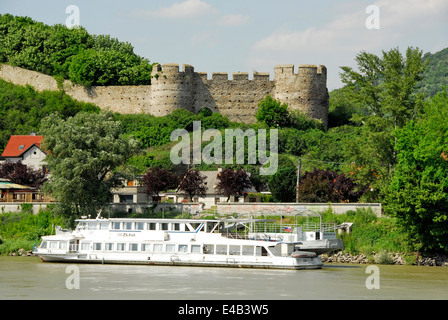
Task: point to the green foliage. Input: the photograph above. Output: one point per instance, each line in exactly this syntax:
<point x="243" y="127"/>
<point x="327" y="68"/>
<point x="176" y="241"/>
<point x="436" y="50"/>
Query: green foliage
<point x="72" y="54"/>
<point x="370" y="233"/>
<point x="275" y="114"/>
<point x="435" y="77"/>
<point x="23" y="108"/>
<point x="418" y="194"/>
<point x="272" y="112"/>
<point x="24" y="229"/>
<point x="84" y="152"/>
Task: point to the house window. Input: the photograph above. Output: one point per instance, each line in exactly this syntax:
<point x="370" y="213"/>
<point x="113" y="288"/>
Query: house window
<point x="21" y="147"/>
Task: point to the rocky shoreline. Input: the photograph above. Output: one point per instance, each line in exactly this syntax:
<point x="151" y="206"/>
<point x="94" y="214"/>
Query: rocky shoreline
<point x="386" y="258"/>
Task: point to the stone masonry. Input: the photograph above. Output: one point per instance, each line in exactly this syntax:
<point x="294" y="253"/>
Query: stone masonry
<point x="172" y="89"/>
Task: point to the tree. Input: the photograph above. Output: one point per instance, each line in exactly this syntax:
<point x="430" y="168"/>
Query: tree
<point x="385" y="93"/>
<point x="20" y="173"/>
<point x="283" y="184"/>
<point x="273" y="112"/>
<point x="193" y="183"/>
<point x="157" y="180"/>
<point x="84" y="153"/>
<point x="418" y="193"/>
<point x="328" y="186"/>
<point x="233" y="182"/>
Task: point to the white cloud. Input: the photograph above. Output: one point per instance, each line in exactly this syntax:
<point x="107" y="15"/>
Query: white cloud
<point x="234" y="20"/>
<point x="340" y="39"/>
<point x="186" y="9"/>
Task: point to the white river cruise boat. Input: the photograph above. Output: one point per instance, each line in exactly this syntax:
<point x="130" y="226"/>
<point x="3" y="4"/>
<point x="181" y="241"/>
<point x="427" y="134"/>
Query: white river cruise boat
<point x="179" y="242"/>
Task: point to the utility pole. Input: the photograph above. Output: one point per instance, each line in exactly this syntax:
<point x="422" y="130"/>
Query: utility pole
<point x="298" y="179"/>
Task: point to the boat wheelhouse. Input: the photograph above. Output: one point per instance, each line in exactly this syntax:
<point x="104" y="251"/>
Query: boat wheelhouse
<point x="183" y="242"/>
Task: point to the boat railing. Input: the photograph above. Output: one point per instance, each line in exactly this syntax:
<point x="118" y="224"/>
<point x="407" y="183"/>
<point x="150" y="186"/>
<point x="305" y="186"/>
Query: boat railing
<point x="291" y="228"/>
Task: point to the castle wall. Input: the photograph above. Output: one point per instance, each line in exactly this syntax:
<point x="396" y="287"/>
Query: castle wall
<point x="172" y="88"/>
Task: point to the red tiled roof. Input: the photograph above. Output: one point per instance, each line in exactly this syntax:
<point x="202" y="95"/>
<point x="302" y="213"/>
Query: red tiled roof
<point x="17" y="145"/>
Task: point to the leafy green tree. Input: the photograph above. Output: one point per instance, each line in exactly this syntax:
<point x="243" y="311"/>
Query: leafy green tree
<point x="272" y="112"/>
<point x="282" y="184"/>
<point x="418" y="193"/>
<point x="384" y="91"/>
<point x="84" y="153"/>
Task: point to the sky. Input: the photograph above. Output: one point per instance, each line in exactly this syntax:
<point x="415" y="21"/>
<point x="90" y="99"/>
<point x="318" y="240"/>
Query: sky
<point x="254" y="35"/>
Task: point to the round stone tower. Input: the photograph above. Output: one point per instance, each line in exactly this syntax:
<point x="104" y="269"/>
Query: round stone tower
<point x="171" y="89"/>
<point x="305" y="91"/>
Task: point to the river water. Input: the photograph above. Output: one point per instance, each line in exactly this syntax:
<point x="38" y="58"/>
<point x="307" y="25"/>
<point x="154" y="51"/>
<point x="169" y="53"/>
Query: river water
<point x="27" y="278"/>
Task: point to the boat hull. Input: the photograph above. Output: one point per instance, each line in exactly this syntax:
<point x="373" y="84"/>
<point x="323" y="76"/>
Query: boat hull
<point x="174" y="260"/>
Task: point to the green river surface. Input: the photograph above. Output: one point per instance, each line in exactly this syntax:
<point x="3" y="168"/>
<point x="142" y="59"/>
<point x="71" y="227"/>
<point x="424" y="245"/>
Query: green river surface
<point x="27" y="278"/>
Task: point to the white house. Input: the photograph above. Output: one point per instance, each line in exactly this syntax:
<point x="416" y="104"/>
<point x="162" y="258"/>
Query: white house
<point x="26" y="149"/>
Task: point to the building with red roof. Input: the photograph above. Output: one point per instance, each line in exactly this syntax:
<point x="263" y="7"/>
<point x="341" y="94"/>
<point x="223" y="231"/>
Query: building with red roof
<point x="26" y="149"/>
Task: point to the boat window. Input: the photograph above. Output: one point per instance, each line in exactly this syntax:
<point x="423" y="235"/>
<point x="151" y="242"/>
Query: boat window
<point x="176" y="226"/>
<point x="146" y="247"/>
<point x="43" y="245"/>
<point x="183" y="248"/>
<point x="248" y="251"/>
<point x="128" y="225"/>
<point x="97" y="246"/>
<point x="63" y="245"/>
<point x="92" y="226"/>
<point x="104" y="225"/>
<point x="152" y="226"/>
<point x="53" y="245"/>
<point x="85" y="246"/>
<point x="195" y="248"/>
<point x="260" y="251"/>
<point x="158" y="247"/>
<point x="133" y="246"/>
<point x="170" y="247"/>
<point x="109" y="246"/>
<point x="81" y="226"/>
<point x="234" y="250"/>
<point x="139" y="226"/>
<point x="221" y="249"/>
<point x="121" y="246"/>
<point x="116" y="225"/>
<point x="209" y="248"/>
<point x="164" y="226"/>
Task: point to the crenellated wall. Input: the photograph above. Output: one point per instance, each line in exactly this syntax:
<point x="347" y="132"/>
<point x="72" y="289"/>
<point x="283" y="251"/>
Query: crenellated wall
<point x="172" y="88"/>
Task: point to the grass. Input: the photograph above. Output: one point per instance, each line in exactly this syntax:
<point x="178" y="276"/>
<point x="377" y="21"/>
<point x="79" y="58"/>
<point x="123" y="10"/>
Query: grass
<point x="22" y="230"/>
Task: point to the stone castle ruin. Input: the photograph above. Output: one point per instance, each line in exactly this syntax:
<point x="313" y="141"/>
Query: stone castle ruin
<point x="172" y="88"/>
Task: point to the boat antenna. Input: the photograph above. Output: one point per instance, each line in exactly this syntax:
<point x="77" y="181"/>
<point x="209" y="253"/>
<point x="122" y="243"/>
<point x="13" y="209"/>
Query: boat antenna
<point x="99" y="214"/>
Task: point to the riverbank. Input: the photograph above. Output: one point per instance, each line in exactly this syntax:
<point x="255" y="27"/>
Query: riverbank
<point x="396" y="258"/>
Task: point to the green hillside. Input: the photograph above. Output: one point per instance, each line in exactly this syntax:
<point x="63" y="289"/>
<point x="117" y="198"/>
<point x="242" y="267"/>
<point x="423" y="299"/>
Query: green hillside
<point x="435" y="77"/>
